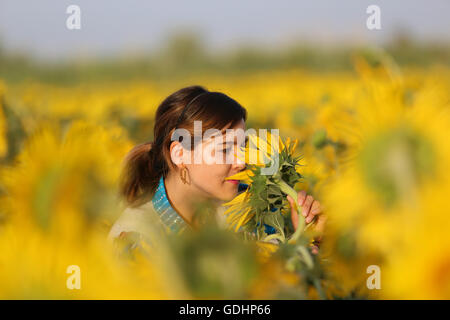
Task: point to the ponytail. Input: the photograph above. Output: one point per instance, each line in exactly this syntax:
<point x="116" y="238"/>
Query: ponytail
<point x="141" y="172"/>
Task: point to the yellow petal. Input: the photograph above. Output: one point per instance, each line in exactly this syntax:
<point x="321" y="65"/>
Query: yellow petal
<point x="260" y="143"/>
<point x="273" y="145"/>
<point x="233" y="212"/>
<point x="288" y="142"/>
<point x="234" y="218"/>
<point x="294" y="146"/>
<point x="281" y="143"/>
<point x="258" y="147"/>
<point x="229" y="210"/>
<point x="243" y="175"/>
<point x="248" y="218"/>
<point x="241" y="220"/>
<point x="238" y="199"/>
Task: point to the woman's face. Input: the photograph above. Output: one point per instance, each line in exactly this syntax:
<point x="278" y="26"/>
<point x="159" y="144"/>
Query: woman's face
<point x="218" y="162"/>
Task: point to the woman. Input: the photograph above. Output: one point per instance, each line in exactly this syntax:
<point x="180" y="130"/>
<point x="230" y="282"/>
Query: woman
<point x="162" y="183"/>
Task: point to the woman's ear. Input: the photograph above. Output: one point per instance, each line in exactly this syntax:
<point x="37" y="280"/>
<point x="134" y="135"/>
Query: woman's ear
<point x="177" y="153"/>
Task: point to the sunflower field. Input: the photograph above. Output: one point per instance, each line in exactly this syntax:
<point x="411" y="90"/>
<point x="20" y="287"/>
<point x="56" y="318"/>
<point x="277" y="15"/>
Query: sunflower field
<point x="374" y="151"/>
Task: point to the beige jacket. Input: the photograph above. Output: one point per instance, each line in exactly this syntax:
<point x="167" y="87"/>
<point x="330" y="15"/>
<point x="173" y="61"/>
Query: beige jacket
<point x="145" y="221"/>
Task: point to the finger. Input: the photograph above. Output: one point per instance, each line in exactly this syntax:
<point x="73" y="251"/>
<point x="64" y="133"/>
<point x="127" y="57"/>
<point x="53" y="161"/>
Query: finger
<point x="309" y="218"/>
<point x="307" y="205"/>
<point x="301" y="197"/>
<point x="316" y="208"/>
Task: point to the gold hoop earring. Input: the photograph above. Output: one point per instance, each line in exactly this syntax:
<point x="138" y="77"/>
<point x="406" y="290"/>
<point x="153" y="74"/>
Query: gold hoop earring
<point x="183" y="175"/>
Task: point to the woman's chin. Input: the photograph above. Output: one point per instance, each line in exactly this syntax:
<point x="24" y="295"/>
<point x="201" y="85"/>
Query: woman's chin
<point x="229" y="193"/>
<point x="226" y="199"/>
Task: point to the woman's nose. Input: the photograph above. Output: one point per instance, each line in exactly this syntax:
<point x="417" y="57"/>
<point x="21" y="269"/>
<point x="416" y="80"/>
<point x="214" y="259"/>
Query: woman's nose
<point x="239" y="164"/>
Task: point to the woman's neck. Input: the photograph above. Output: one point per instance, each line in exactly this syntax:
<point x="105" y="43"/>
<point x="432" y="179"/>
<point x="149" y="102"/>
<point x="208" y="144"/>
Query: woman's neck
<point x="182" y="197"/>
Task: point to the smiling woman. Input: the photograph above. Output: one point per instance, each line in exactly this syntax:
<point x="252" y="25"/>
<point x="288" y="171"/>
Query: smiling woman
<point x="163" y="179"/>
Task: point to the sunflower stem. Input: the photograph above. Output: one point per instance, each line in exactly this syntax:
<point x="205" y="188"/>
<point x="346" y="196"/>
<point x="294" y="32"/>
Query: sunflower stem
<point x="319" y="289"/>
<point x="301" y="221"/>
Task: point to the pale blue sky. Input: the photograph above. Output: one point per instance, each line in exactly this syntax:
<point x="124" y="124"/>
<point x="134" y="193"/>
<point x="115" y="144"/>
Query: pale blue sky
<point x="112" y="26"/>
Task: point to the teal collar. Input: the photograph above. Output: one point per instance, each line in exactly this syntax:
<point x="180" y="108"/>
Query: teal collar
<point x="170" y="219"/>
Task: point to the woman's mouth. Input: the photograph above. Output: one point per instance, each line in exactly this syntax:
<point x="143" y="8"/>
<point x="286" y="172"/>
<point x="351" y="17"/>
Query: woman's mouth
<point x="233" y="181"/>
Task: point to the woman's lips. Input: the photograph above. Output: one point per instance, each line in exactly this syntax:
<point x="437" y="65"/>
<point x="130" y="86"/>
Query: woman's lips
<point x="234" y="181"/>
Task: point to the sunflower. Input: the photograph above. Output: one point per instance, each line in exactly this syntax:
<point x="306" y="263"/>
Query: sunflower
<point x="262" y="207"/>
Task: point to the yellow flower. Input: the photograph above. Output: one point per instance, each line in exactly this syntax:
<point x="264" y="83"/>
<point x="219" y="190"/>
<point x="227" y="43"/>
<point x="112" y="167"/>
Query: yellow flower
<point x="244" y="176"/>
<point x="237" y="214"/>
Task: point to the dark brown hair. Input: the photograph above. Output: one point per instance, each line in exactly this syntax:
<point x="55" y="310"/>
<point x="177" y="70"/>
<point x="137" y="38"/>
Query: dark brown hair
<point x="147" y="162"/>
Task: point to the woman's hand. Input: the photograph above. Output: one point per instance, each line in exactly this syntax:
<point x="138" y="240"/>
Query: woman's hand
<point x="310" y="209"/>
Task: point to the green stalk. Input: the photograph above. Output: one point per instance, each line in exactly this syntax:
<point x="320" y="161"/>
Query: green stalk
<point x="319" y="289"/>
<point x="301" y="221"/>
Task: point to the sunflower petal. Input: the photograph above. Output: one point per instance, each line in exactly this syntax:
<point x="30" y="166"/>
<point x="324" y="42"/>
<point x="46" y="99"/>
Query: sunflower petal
<point x="294" y="146"/>
<point x="259" y="145"/>
<point x="237" y="200"/>
<point x="281" y="143"/>
<point x="288" y="143"/>
<point x="243" y="175"/>
<point x="241" y="220"/>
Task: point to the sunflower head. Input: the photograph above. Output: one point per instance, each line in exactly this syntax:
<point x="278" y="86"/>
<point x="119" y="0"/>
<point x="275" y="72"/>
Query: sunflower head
<point x="264" y="202"/>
